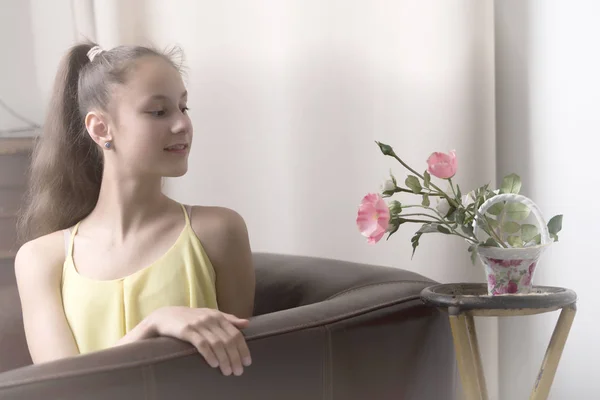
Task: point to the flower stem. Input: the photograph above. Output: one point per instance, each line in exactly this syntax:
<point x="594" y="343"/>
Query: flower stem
<point x="452" y="187"/>
<point x="433" y="185"/>
<point x="452" y="201"/>
<point x="419" y="215"/>
<point x="416" y="220"/>
<point x="439" y="220"/>
<point x="490" y="231"/>
<point x="400" y="189"/>
<point x="470" y="239"/>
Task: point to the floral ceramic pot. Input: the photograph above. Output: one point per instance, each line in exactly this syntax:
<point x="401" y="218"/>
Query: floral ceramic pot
<point x="508" y="274"/>
<point x="511" y="270"/>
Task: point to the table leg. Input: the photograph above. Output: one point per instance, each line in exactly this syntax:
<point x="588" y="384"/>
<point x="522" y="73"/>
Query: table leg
<point x="467" y="365"/>
<point x="553" y="353"/>
<point x="476" y="355"/>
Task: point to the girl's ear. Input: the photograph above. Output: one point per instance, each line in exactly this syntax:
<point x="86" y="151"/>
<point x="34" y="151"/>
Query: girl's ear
<point x="96" y="124"/>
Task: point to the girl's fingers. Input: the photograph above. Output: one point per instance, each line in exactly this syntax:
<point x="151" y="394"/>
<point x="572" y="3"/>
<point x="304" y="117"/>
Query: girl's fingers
<point x="202" y="344"/>
<point x="218" y="347"/>
<point x="231" y="347"/>
<point x="239" y="340"/>
<point x="235" y="320"/>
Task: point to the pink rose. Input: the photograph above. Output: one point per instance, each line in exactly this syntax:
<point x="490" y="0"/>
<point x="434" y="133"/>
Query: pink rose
<point x="492" y="280"/>
<point x="511" y="287"/>
<point x="373" y="217"/>
<point x="442" y="165"/>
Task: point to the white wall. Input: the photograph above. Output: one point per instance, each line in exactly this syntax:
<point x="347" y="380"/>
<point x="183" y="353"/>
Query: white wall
<point x="53" y="33"/>
<point x="34" y="35"/>
<point x="288" y="97"/>
<point x="548" y="94"/>
<point x="18" y="84"/>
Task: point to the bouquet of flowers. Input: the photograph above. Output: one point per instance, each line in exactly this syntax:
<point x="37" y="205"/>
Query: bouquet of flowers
<point x="485" y="218"/>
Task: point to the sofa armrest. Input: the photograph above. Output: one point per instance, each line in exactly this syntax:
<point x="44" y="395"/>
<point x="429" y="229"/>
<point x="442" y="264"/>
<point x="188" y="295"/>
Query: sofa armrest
<point x="369" y="338"/>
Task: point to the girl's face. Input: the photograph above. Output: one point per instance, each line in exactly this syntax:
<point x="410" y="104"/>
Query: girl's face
<point x="152" y="132"/>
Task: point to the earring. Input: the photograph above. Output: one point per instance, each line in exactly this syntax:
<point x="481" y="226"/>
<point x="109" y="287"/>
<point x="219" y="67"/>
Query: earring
<point x="108" y="145"/>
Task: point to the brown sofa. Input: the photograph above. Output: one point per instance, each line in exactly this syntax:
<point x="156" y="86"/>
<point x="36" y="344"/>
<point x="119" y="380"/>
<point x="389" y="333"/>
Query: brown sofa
<point x="323" y="329"/>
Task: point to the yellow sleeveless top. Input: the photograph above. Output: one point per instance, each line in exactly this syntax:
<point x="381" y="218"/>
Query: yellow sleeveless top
<point x="100" y="312"/>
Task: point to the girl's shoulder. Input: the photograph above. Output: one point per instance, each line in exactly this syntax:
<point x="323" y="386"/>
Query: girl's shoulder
<point x="224" y="237"/>
<point x="215" y="224"/>
<point x="41" y="258"/>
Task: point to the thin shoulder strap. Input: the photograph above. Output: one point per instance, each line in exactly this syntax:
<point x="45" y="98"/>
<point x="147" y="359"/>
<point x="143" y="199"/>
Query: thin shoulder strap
<point x="188" y="213"/>
<point x="67" y="235"/>
<point x="70" y="239"/>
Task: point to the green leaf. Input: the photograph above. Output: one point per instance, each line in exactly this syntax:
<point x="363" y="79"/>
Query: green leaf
<point x="443" y="230"/>
<point x="468" y="219"/>
<point x="517" y="211"/>
<point x="515" y="241"/>
<point x="427" y="179"/>
<point x="460" y="216"/>
<point x="458" y="194"/>
<point x="395" y="207"/>
<point x="386" y="149"/>
<point x="511" y="227"/>
<point x="496" y="209"/>
<point x="395" y="223"/>
<point x="528" y="232"/>
<point x="473" y="251"/>
<point x="493" y="223"/>
<point x="511" y="184"/>
<point x="467" y="230"/>
<point x="538" y="239"/>
<point x="426" y="201"/>
<point x="451" y="213"/>
<point x="491" y="243"/>
<point x="554" y="237"/>
<point x="415" y="242"/>
<point x="413" y="184"/>
<point x="392" y="231"/>
<point x="487" y="193"/>
<point x="428" y="228"/>
<point x="555" y="224"/>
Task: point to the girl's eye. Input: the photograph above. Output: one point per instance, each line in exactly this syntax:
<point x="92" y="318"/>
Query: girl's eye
<point x="158" y="113"/>
<point x="184" y="110"/>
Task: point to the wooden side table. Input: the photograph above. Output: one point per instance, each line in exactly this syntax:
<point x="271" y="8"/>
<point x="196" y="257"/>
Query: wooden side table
<point x="463" y="301"/>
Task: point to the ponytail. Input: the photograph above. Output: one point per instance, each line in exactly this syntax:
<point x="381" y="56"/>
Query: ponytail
<point x="66" y="169"/>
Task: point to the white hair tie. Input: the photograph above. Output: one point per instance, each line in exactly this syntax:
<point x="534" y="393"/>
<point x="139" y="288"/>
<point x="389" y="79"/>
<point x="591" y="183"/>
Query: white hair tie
<point x="94" y="51"/>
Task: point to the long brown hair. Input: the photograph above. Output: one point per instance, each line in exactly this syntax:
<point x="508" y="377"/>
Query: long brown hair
<point x="66" y="169"/>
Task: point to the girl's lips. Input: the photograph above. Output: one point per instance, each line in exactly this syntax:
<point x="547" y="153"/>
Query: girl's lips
<point x="177" y="148"/>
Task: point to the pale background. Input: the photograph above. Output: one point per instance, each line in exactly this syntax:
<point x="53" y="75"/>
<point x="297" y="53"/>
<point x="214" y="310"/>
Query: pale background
<point x="288" y="97"/>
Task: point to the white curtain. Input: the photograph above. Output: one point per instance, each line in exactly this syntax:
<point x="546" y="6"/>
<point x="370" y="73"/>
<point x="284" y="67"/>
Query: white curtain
<point x="288" y="97"/>
<point x="548" y="94"/>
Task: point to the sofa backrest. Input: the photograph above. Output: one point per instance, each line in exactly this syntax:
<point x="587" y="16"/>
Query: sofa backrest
<point x="282" y="282"/>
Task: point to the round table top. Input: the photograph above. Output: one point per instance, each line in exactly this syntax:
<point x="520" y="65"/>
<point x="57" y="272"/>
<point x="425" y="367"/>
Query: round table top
<point x="474" y="296"/>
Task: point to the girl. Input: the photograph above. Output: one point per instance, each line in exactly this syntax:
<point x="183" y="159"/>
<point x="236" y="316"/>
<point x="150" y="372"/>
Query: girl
<point x="109" y="259"/>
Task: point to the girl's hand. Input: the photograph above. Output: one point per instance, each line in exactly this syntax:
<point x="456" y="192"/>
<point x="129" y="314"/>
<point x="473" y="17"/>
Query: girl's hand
<point x="215" y="334"/>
